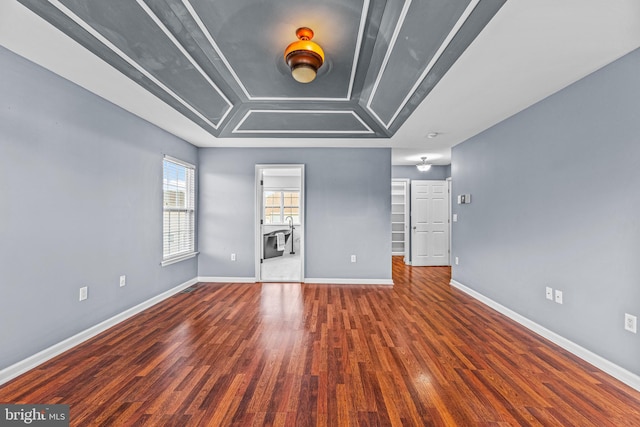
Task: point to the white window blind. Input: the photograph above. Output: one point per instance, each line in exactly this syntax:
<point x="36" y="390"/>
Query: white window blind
<point x="178" y="230"/>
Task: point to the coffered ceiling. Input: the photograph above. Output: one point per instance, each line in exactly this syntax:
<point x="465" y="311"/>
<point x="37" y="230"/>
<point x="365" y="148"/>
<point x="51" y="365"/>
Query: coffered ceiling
<point x="213" y="72"/>
<point x="221" y="65"/>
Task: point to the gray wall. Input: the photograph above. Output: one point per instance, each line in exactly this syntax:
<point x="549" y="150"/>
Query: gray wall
<point x="80" y="204"/>
<point x="555" y="202"/>
<point x="411" y="172"/>
<point x="348" y="210"/>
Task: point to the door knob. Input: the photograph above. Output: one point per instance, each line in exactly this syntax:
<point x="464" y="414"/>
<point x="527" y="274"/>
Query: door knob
<point x="414" y="227"/>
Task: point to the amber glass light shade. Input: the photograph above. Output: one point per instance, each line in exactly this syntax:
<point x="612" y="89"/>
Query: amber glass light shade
<point x="304" y="57"/>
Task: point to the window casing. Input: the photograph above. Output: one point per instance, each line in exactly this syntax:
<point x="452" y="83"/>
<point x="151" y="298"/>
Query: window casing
<point x="279" y="204"/>
<point x="179" y="210"/>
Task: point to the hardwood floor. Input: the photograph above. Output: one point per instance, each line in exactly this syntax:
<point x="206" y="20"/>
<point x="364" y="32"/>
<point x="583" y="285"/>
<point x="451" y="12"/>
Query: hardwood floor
<point x="416" y="354"/>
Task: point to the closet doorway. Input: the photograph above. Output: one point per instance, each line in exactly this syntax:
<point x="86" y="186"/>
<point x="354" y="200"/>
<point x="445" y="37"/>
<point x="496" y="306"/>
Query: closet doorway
<point x="279" y="223"/>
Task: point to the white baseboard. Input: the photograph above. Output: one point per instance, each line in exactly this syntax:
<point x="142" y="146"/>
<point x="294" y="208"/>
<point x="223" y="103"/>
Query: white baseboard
<point x="31" y="362"/>
<point x="350" y="281"/>
<point x="599" y="362"/>
<point x="215" y="279"/>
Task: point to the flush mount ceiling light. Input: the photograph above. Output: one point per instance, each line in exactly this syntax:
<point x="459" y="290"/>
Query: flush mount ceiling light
<point x="304" y="57"/>
<point x="424" y="166"/>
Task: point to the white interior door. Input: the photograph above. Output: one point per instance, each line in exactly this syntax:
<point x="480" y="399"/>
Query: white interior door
<point x="429" y="223"/>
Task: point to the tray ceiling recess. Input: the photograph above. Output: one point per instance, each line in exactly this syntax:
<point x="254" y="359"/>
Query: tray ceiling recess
<point x="220" y="63"/>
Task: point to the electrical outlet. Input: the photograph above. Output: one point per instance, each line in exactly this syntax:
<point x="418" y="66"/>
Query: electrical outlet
<point x="84" y="293"/>
<point x="457" y="260"/>
<point x="558" y="296"/>
<point x="631" y="323"/>
<point x="549" y="293"/>
<point x="353" y="258"/>
<point x="233" y="257"/>
<point x="123" y="280"/>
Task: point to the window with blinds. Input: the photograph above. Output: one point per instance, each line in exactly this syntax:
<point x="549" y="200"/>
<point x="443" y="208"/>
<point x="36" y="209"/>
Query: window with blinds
<point x="179" y="200"/>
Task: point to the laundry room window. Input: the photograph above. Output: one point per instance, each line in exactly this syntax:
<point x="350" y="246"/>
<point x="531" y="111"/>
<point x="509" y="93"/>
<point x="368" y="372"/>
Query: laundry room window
<point x="280" y="204"/>
<point x="179" y="211"/>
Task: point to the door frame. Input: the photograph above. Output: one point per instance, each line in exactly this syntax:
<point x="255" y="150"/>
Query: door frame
<point x="259" y="168"/>
<point x="450" y="216"/>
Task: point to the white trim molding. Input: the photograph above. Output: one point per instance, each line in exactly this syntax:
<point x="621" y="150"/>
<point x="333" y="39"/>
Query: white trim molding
<point x="629" y="378"/>
<point x="356" y="54"/>
<point x="303" y="131"/>
<point x="19" y="368"/>
<point x="175" y="259"/>
<point x="251" y="280"/>
<point x="445" y="44"/>
<point x="186" y="54"/>
<point x="333" y="281"/>
<point x="217" y="279"/>
<point x="95" y="33"/>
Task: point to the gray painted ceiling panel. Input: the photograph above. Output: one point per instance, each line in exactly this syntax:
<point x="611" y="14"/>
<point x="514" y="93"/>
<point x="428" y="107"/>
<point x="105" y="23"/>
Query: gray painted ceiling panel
<point x="474" y="24"/>
<point x="131" y="28"/>
<point x="62" y="22"/>
<point x="301" y="122"/>
<point x="220" y="63"/>
<point x="252" y="37"/>
<point x="421" y="33"/>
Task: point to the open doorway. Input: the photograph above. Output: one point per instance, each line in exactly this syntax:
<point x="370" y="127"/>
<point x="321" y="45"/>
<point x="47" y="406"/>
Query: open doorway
<point x="279" y="223"/>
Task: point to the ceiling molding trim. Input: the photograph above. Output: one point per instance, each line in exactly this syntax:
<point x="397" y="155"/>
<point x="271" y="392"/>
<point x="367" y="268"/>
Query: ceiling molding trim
<point x="85" y="26"/>
<point x="458" y="25"/>
<point x="356" y="57"/>
<point x="311" y="131"/>
<point x="387" y="55"/>
<point x="171" y="37"/>
<point x="187" y="4"/>
<point x="363" y="20"/>
<point x="436" y="57"/>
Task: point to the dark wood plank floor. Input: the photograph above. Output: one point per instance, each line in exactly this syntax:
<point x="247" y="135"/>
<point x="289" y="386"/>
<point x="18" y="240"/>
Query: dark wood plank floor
<point x="416" y="354"/>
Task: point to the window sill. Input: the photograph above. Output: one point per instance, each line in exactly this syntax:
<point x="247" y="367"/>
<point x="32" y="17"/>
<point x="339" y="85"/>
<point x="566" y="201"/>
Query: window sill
<point x="178" y="258"/>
